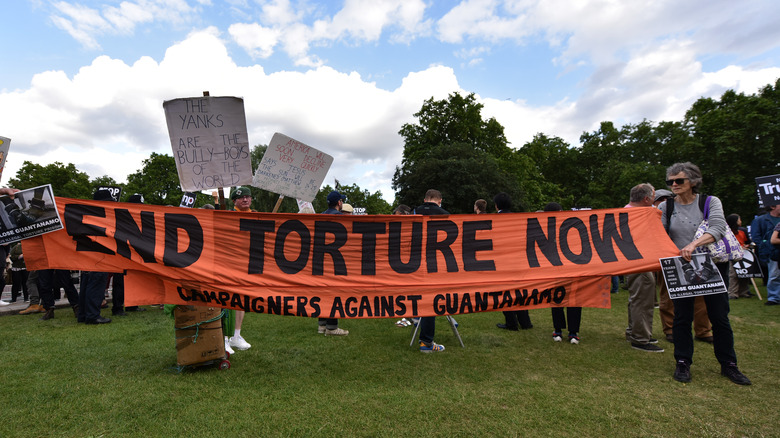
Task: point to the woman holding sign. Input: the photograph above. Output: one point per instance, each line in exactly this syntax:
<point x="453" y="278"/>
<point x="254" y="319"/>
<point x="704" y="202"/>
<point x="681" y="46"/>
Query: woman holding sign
<point x="682" y="217"/>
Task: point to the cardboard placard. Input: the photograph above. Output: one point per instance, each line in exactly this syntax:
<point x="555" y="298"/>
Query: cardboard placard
<point x="209" y="141"/>
<point x="292" y="168"/>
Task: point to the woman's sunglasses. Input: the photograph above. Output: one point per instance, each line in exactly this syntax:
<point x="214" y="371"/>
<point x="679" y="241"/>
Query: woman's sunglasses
<point x="678" y="181"/>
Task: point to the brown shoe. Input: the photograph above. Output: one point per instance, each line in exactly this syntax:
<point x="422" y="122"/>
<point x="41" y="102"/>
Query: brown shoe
<point x="33" y="308"/>
<point x="48" y="315"/>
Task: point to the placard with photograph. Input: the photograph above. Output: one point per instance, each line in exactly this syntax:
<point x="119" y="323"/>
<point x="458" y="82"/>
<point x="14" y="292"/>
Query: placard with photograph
<point x="700" y="276"/>
<point x="30" y="213"/>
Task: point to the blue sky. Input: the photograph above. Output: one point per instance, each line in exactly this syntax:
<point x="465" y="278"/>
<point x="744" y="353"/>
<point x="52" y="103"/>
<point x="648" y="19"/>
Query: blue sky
<point x="83" y="81"/>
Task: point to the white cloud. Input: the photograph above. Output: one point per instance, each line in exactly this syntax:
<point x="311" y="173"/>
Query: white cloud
<point x="257" y="40"/>
<point x="86" y="24"/>
<point x="108" y="117"/>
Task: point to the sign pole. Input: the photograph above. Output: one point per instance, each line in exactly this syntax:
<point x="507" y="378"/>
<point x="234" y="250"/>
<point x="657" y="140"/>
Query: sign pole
<point x="220" y="191"/>
<point x="753" y="280"/>
<point x="278" y="203"/>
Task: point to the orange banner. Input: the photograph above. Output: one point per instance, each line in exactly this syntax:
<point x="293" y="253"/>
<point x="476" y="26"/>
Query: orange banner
<point x="331" y="264"/>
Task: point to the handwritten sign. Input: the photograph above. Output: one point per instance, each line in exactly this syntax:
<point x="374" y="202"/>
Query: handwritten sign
<point x="768" y="189"/>
<point x="292" y="169"/>
<point x="5" y="144"/>
<point x="209" y="141"/>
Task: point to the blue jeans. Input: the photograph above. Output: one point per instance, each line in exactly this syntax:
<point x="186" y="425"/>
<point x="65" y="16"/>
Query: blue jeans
<point x="427" y="329"/>
<point x="773" y="284"/>
<point x="615" y="284"/>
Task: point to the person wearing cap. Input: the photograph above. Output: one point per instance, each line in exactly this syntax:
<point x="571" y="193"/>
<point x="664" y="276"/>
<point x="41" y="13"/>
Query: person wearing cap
<point x="335" y="202"/>
<point x="346" y="209"/>
<point x="242" y="201"/>
<point x="330" y="326"/>
<point x="661" y="195"/>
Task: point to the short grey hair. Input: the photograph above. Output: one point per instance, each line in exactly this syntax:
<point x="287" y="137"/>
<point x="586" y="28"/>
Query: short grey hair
<point x="690" y="170"/>
<point x="641" y="191"/>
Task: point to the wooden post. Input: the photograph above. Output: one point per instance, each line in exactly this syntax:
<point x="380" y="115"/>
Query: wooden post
<point x="278" y="204"/>
<point x="758" y="294"/>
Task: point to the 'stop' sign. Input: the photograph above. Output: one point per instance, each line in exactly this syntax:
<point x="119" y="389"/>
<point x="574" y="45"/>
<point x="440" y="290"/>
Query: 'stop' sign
<point x="209" y="141"/>
<point x="292" y="169"/>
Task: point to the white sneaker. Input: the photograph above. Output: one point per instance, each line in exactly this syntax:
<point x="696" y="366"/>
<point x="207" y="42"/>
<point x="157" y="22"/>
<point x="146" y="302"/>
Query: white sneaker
<point x="3" y="303"/>
<point x="337" y="332"/>
<point x="227" y="346"/>
<point x="239" y="343"/>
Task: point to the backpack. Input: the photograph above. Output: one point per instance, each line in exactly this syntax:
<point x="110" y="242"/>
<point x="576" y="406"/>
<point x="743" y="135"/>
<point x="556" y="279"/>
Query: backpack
<point x="670" y="209"/>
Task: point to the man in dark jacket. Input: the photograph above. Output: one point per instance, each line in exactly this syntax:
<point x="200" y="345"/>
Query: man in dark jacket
<point x="431" y="206"/>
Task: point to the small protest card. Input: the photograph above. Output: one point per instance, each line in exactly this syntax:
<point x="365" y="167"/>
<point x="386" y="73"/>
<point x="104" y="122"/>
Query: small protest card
<point x="700" y="276"/>
<point x="30" y="213"/>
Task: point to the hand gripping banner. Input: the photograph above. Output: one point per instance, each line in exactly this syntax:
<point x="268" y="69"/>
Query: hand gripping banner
<point x="354" y="266"/>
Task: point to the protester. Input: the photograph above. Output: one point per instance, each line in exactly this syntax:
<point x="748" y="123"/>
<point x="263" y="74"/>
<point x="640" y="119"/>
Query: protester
<point x="738" y="287"/>
<point x="402" y="209"/>
<point x="661" y="196"/>
<point x="18" y="273"/>
<point x="242" y="201"/>
<point x="573" y="314"/>
<point x="702" y="328"/>
<point x="480" y="206"/>
<point x="641" y="288"/>
<point x="685" y="180"/>
<point x="330" y="326"/>
<point x="761" y="232"/>
<point x="346" y="209"/>
<point x="4" y="250"/>
<point x="35" y="298"/>
<point x="93" y="284"/>
<point x="431" y="206"/>
<point x="774" y="260"/>
<point x="512" y="318"/>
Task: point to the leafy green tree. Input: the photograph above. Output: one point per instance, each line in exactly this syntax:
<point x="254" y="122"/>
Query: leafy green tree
<point x="461" y="173"/>
<point x="454" y="150"/>
<point x="157" y="181"/>
<point x="735" y="140"/>
<point x="66" y="181"/>
<point x="457" y="119"/>
<point x="551" y="172"/>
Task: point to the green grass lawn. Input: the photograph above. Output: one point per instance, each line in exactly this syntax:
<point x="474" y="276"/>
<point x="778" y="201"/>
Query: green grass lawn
<point x="61" y="378"/>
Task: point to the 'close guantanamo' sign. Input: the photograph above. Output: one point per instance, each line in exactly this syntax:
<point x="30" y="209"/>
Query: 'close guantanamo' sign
<point x="354" y="266"/>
